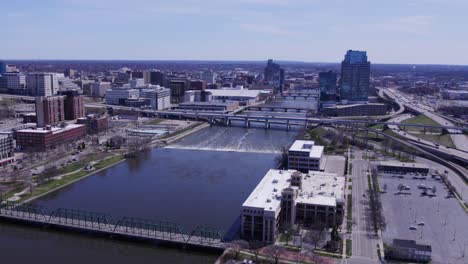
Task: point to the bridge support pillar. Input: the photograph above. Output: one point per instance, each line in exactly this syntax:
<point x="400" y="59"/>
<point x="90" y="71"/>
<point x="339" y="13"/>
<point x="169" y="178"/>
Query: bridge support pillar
<point x="288" y="126"/>
<point x="227" y="122"/>
<point x="246" y="123"/>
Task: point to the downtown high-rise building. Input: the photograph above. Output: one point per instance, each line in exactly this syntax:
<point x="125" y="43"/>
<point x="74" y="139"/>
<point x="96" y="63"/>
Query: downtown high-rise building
<point x="42" y="84"/>
<point x="274" y="74"/>
<point x="328" y="86"/>
<point x="355" y="77"/>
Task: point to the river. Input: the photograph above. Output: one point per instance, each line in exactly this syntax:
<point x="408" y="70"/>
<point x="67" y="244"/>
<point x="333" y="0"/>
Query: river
<point x="202" y="179"/>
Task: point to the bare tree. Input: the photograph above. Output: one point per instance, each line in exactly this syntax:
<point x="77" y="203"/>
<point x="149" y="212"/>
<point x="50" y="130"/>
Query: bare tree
<point x="275" y="252"/>
<point x="434" y="190"/>
<point x="255" y="246"/>
<point x="237" y="246"/>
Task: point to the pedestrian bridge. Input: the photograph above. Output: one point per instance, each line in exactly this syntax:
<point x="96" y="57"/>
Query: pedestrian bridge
<point x="104" y="224"/>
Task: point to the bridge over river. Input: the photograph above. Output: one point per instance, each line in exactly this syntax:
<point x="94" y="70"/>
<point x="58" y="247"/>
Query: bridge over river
<point x="104" y="225"/>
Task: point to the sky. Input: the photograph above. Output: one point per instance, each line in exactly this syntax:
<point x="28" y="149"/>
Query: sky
<point x="391" y="31"/>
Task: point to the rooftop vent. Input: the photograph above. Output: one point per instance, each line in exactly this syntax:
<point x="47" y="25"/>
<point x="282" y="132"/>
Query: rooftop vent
<point x="268" y="201"/>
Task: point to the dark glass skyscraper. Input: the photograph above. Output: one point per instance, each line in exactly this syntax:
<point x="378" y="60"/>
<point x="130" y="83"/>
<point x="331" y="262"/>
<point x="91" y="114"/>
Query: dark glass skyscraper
<point x="355" y="76"/>
<point x="327" y="82"/>
<point x="3" y="67"/>
<point x="274" y="74"/>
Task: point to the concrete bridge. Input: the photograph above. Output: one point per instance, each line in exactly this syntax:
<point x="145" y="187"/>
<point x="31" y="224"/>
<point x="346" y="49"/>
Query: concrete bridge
<point x="127" y="227"/>
<point x="277" y="109"/>
<point x="288" y="121"/>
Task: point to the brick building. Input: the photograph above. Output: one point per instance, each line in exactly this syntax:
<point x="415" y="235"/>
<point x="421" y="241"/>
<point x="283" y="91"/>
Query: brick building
<point x="50" y="110"/>
<point x="94" y="124"/>
<point x="74" y="107"/>
<point x="48" y="137"/>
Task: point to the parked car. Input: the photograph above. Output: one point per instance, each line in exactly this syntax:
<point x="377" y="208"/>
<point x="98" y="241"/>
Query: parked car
<point x="413" y="228"/>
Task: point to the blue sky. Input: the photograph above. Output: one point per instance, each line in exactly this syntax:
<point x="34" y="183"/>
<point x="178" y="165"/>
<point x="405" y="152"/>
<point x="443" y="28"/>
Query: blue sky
<point x="392" y="31"/>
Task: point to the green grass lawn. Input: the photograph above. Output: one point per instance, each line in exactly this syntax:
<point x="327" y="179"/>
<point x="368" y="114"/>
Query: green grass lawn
<point x="420" y="119"/>
<point x="52" y="184"/>
<point x="349" y="247"/>
<point x="445" y="139"/>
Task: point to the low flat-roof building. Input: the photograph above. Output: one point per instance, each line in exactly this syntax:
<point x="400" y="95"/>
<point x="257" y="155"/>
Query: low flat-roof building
<point x="7" y="148"/>
<point x="304" y="155"/>
<point x="395" y="166"/>
<point x="241" y="95"/>
<point x="287" y="197"/>
<point x="48" y="137"/>
<point x="208" y="106"/>
<point x="405" y="249"/>
<point x="94" y="124"/>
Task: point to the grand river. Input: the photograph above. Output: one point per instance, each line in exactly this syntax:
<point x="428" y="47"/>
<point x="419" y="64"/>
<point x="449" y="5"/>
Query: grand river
<point x="202" y="179"/>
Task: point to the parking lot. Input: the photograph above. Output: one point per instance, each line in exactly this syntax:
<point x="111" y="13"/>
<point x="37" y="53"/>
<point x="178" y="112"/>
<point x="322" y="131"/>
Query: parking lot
<point x="432" y="216"/>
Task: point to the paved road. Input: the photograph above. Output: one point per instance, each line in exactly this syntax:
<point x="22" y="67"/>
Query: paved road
<point x="460" y="140"/>
<point x="364" y="239"/>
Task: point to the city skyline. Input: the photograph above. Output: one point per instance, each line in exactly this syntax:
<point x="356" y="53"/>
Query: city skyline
<point x="400" y="32"/>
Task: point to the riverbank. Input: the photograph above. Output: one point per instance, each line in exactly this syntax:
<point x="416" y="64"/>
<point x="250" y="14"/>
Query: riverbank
<point x="56" y="184"/>
<point x="75" y="172"/>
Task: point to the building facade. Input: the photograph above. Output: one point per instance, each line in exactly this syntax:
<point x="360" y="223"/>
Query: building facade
<point x="74" y="107"/>
<point x="119" y="95"/>
<point x="355" y="77"/>
<point x="305" y="156"/>
<point x="42" y="84"/>
<point x="404" y="249"/>
<point x="99" y="89"/>
<point x="94" y="124"/>
<point x="328" y="87"/>
<point x="287" y="197"/>
<point x="14" y="83"/>
<point x="50" y="110"/>
<point x="7" y="148"/>
<point x="40" y="139"/>
<point x="160" y="97"/>
<point x="274" y="74"/>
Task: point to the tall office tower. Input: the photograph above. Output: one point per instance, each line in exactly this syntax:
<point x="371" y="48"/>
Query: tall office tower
<point x="274" y="74"/>
<point x="157" y="78"/>
<point x="13" y="83"/>
<point x="50" y="110"/>
<point x="355" y="75"/>
<point x="178" y="88"/>
<point x="3" y="67"/>
<point x="73" y="105"/>
<point x="209" y="77"/>
<point x="70" y="73"/>
<point x="327" y="83"/>
<point x="42" y="84"/>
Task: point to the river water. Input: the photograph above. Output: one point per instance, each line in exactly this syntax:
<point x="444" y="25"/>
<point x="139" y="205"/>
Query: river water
<point x="203" y="179"/>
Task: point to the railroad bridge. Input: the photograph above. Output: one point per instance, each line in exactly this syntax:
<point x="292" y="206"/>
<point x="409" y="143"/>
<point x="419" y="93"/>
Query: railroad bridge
<point x="103" y="224"/>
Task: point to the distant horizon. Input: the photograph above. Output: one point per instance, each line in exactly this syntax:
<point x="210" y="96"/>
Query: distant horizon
<point x="233" y="61"/>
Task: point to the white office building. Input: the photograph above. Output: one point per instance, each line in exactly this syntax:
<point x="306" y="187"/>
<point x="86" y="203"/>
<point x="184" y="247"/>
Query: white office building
<point x="304" y="156"/>
<point x="160" y="97"/>
<point x="42" y="84"/>
<point x="137" y="83"/>
<point x="118" y="95"/>
<point x="287" y="197"/>
<point x="209" y="77"/>
<point x="99" y="89"/>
